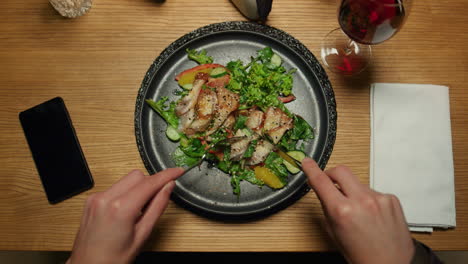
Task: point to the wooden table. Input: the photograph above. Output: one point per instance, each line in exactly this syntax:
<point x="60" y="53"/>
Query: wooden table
<point x="97" y="62"/>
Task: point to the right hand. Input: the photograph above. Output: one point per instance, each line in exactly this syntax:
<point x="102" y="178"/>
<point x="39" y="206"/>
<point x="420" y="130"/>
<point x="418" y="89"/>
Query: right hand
<point x="368" y="227"/>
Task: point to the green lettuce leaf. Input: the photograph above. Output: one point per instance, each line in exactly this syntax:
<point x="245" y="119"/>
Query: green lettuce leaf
<point x="181" y="159"/>
<point x="275" y="163"/>
<point x="167" y="112"/>
<point x="199" y="57"/>
<point x="301" y="129"/>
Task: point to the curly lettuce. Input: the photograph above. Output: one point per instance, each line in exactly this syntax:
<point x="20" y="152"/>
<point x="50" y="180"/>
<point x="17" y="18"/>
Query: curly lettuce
<point x="199" y="57"/>
<point x="261" y="81"/>
<point x="167" y="112"/>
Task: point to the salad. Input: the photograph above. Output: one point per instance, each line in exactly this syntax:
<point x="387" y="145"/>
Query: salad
<point x="236" y="114"/>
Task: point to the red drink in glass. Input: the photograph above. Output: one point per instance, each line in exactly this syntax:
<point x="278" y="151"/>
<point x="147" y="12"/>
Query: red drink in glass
<point x="371" y="21"/>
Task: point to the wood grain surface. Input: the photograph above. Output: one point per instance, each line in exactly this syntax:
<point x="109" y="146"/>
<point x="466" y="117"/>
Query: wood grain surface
<point x="97" y="62"/>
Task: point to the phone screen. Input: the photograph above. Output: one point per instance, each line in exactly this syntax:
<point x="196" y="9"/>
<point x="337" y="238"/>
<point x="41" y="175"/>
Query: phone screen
<point x="56" y="150"/>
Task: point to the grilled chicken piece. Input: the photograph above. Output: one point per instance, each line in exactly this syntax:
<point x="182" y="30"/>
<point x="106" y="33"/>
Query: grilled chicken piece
<point x="286" y="123"/>
<point x="205" y="110"/>
<point x="229" y="122"/>
<point x="239" y="147"/>
<point x="255" y="119"/>
<point x="190" y="100"/>
<point x="198" y="125"/>
<point x="206" y="105"/>
<point x="186" y="120"/>
<point x="227" y="103"/>
<point x="276" y="123"/>
<point x="272" y="118"/>
<point x="262" y="150"/>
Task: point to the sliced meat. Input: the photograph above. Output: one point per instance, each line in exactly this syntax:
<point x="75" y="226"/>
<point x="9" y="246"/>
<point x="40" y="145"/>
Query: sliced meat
<point x="276" y="123"/>
<point x="262" y="150"/>
<point x="189" y="101"/>
<point x="272" y="118"/>
<point x="227" y="103"/>
<point x="286" y="123"/>
<point x="200" y="124"/>
<point x="186" y="120"/>
<point x="277" y="133"/>
<point x="239" y="147"/>
<point x="255" y="119"/>
<point x="229" y="122"/>
<point x="205" y="110"/>
<point x="206" y="104"/>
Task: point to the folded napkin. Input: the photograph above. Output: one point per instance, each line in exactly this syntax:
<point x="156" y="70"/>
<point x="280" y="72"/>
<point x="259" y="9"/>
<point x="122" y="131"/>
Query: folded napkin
<point x="411" y="152"/>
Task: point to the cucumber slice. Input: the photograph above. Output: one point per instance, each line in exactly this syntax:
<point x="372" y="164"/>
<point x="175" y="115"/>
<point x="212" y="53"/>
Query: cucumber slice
<point x="218" y="72"/>
<point x="187" y="86"/>
<point x="297" y="155"/>
<point x="172" y="133"/>
<point x="276" y="60"/>
<point x="291" y="168"/>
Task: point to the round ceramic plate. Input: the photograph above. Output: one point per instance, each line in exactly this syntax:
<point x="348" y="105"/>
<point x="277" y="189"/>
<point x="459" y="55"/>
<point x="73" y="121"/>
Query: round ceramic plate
<point x="208" y="190"/>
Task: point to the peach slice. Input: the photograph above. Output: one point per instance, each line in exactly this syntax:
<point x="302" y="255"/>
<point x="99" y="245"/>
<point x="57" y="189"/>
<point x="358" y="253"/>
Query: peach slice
<point x="188" y="76"/>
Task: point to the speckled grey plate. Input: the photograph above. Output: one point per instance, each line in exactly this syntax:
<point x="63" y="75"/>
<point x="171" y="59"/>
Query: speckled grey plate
<point x="207" y="190"/>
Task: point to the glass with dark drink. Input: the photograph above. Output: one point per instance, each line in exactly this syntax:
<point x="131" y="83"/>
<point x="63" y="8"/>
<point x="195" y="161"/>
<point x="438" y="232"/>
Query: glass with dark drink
<point x="364" y="23"/>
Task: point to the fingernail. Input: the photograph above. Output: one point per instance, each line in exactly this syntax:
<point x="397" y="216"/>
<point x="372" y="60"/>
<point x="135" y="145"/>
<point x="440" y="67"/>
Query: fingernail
<point x="169" y="186"/>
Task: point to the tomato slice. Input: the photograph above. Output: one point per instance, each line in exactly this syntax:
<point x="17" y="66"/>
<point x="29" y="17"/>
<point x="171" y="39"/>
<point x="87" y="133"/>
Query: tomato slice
<point x="188" y="76"/>
<point x="287" y="99"/>
<point x="218" y="82"/>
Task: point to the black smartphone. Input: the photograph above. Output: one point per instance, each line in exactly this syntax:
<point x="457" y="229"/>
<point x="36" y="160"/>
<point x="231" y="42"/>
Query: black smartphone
<point x="56" y="150"/>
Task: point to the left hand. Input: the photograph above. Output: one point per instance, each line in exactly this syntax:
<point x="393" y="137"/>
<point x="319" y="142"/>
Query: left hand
<point x="117" y="222"/>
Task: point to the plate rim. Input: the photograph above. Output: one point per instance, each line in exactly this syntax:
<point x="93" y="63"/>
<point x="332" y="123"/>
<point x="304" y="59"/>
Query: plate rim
<point x="266" y="31"/>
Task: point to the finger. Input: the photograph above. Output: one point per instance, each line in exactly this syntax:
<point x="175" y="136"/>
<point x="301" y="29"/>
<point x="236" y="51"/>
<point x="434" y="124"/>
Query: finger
<point x="125" y="184"/>
<point x="153" y="212"/>
<point x="321" y="183"/>
<point x="348" y="182"/>
<point x="135" y="199"/>
<point x="397" y="209"/>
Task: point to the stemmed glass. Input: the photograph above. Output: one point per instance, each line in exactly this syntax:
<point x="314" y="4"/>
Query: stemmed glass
<point x="346" y="50"/>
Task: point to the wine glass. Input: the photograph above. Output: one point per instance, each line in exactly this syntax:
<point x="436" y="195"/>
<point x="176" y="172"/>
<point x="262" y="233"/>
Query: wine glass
<point x="346" y="50"/>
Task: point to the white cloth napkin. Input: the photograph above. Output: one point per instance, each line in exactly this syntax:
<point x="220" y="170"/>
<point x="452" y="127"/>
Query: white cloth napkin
<point x="411" y="152"/>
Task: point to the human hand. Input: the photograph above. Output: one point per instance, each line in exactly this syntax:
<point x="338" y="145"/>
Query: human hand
<point x="368" y="227"/>
<point x="117" y="222"/>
